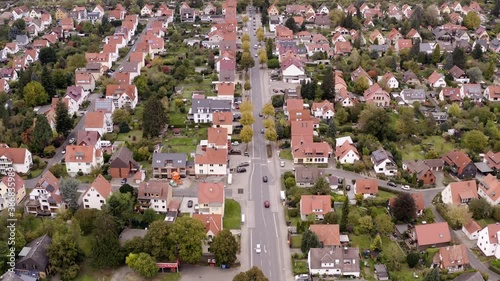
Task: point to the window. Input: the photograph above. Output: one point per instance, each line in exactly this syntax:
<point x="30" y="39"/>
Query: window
<point x="86" y="200"/>
<point x="87" y="206"/>
<point x="102" y="201"/>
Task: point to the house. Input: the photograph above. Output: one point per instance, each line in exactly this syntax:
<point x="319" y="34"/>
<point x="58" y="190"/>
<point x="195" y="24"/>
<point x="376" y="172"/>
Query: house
<point x="492" y="93"/>
<point x="86" y="81"/>
<point x="22" y="40"/>
<point x="187" y="14"/>
<point x="33" y="259"/>
<point x="9" y="74"/>
<point x="377" y="96"/>
<point x="376" y="38"/>
<point x="324" y="110"/>
<point x="122" y="164"/>
<point x="340" y="141"/>
<point x="123" y="95"/>
<point x="11" y="48"/>
<point x="328" y="234"/>
<point x="273" y="10"/>
<point x="489" y="189"/>
<point x="97" y="193"/>
<point x="307" y="176"/>
<point x="450" y="95"/>
<point x="304" y="149"/>
<point x="12" y="191"/>
<point x="19" y="159"/>
<point x="82" y="159"/>
<point x="45" y="198"/>
<point x="410" y="78"/>
<point x="334" y="261"/>
<point x="472" y="91"/>
<point x="470" y="276"/>
<point x="389" y="80"/>
<point x="360" y="72"/>
<point x="61" y="13"/>
<point x="460" y="164"/>
<point x="211" y="197"/>
<point x="383" y="162"/>
<point x="403" y="44"/>
<point x="76" y="95"/>
<point x="458" y="75"/>
<point x="147" y="10"/>
<point x="223" y="120"/>
<point x="423" y="172"/>
<point x="414" y="35"/>
<point x="459" y="193"/>
<point x="217" y="138"/>
<point x="202" y="110"/>
<point x="367" y="187"/>
<point x="471" y="230"/>
<point x="98" y="121"/>
<point x="212" y="162"/>
<point x="67" y="24"/>
<point x="154" y="194"/>
<point x="166" y="165"/>
<point x="452" y="258"/>
<point x="213" y="224"/>
<point x="419" y="203"/>
<point x="346" y="153"/>
<point x="323" y="10"/>
<point x="436" y="80"/>
<point x="492" y="160"/>
<point x="488" y="240"/>
<point x="88" y="138"/>
<point x="292" y="69"/>
<point x="381" y="272"/>
<point x="431" y="235"/>
<point x="315" y="205"/>
<point x="4" y="86"/>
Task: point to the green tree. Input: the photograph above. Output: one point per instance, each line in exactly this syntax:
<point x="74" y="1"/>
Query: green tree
<point x="458" y="56"/>
<point x="135" y="245"/>
<point x="246" y="106"/>
<point x="477" y="53"/>
<point x="47" y="55"/>
<point x="327" y="86"/>
<point x="391" y="257"/>
<point x="121" y="116"/>
<point x="436" y="54"/>
<point x="187" y="233"/>
<point x="158" y="242"/>
<point x="412" y="259"/>
<point x="472" y="20"/>
<point x="149" y="216"/>
<point x="376" y="245"/>
<point x="42" y="134"/>
<point x="268" y="109"/>
<point x="247" y="118"/>
<point x="291" y="24"/>
<point x="69" y="192"/>
<point x="246" y="134"/>
<point x="433" y="275"/>
<point x="34" y="94"/>
<point x="253" y="274"/>
<point x="455" y="110"/>
<point x="360" y="85"/>
<point x="365" y="225"/>
<point x="64" y="255"/>
<point x="480" y="209"/>
<point x="76" y="61"/>
<point x="246" y="61"/>
<point x="475" y="74"/>
<point x="225" y="247"/>
<point x="345" y="215"/>
<point x="375" y="121"/>
<point x="330" y="218"/>
<point x="404" y="208"/>
<point x="261" y="36"/>
<point x="309" y="240"/>
<point x="60" y="78"/>
<point x="247" y="86"/>
<point x="86" y="218"/>
<point x="384" y="224"/>
<point x="154" y="117"/>
<point x="337" y="17"/>
<point x="64" y="123"/>
<point x="321" y="187"/>
<point x="120" y="205"/>
<point x="263" y="58"/>
<point x="47" y="82"/>
<point x="105" y="246"/>
<point x="475" y="141"/>
<point x="143" y="264"/>
<point x="458" y="215"/>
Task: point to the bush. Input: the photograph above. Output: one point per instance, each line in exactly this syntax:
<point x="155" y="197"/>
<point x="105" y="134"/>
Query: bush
<point x="182" y="110"/>
<point x="80" y="173"/>
<point x="49" y="151"/>
<point x="293" y="213"/>
<point x="278" y="100"/>
<point x="289" y="182"/>
<point x="412" y="259"/>
<point x="58" y="141"/>
<point x="273" y="64"/>
<point x="58" y="170"/>
<point x="124" y="128"/>
<point x="288" y="174"/>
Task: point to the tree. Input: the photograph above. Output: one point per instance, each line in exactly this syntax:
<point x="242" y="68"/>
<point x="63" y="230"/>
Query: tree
<point x="480" y="208"/>
<point x="321" y="187"/>
<point x="365" y="225"/>
<point x="127" y="188"/>
<point x="433" y="275"/>
<point x="120" y="206"/>
<point x="360" y="85"/>
<point x="154" y="117"/>
<point x="247" y="86"/>
<point x="60" y="78"/>
<point x="384" y="224"/>
<point x="331" y="132"/>
<point x="327" y="86"/>
<point x="245" y="46"/>
<point x="331" y="218"/>
<point x="375" y="121"/>
<point x="34" y="94"/>
<point x="245" y="19"/>
<point x="42" y="134"/>
<point x="158" y="243"/>
<point x="246" y="106"/>
<point x="253" y="274"/>
<point x="105" y="246"/>
<point x="458" y="56"/>
<point x="475" y="74"/>
<point x="309" y="240"/>
<point x="76" y="61"/>
<point x="263" y="58"/>
<point x="246" y="134"/>
<point x="247" y="118"/>
<point x="69" y="191"/>
<point x="246" y="61"/>
<point x="477" y="53"/>
<point x="472" y="20"/>
<point x="47" y="55"/>
<point x="376" y="245"/>
<point x="475" y="141"/>
<point x="121" y="116"/>
<point x="261" y="36"/>
<point x="495" y="12"/>
<point x="47" y="82"/>
<point x="337" y="16"/>
<point x="345" y="215"/>
<point x="86" y="218"/>
<point x="64" y="123"/>
<point x="187" y="233"/>
<point x="270" y="134"/>
<point x="291" y="24"/>
<point x="268" y="109"/>
<point x="436" y="54"/>
<point x="242" y="276"/>
<point x="224" y="247"/>
<point x="458" y="215"/>
<point x="143" y="264"/>
<point x="64" y="255"/>
<point x="245" y="38"/>
<point x="455" y="110"/>
<point x="404" y="208"/>
<point x="412" y="259"/>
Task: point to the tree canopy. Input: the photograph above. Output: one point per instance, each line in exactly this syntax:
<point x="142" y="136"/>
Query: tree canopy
<point x="225" y="247"/>
<point x="404" y="208"/>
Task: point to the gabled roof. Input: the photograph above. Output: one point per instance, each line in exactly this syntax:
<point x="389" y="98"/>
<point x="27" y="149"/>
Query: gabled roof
<point x="212" y="223"/>
<point x="37" y="252"/>
<point x="89" y="138"/>
<point x="342" y="150"/>
<point x="490" y="185"/>
<point x="122" y="158"/>
<point x="222" y="118"/>
<point x="434" y="77"/>
<point x="154" y="189"/>
<point x="212" y="156"/>
<point x="432" y="233"/>
<point x="457" y="158"/>
<point x="455" y="255"/>
<point x="463" y="190"/>
<point x="15" y="182"/>
<point x="80" y="154"/>
<point x="366" y="186"/>
<point x="94" y="120"/>
<point x="309" y="203"/>
<point x="16" y="155"/>
<point x="102" y="186"/>
<point x="380" y="155"/>
<point x="328" y="234"/>
<point x="217" y="136"/>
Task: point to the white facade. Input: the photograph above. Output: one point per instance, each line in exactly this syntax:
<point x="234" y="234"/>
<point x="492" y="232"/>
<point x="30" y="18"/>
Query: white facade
<point x="92" y="199"/>
<point x="41" y="195"/>
<point x="349" y="158"/>
<point x="439" y="83"/>
<point x="488" y="242"/>
<point x="387" y="167"/>
<point x="210" y="169"/>
<point x="21" y="167"/>
<point x="293" y="74"/>
<point x="323" y="114"/>
<point x="123" y="100"/>
<point x="74" y="167"/>
<point x="472" y="236"/>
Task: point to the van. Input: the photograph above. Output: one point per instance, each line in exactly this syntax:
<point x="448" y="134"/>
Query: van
<point x="105" y="143"/>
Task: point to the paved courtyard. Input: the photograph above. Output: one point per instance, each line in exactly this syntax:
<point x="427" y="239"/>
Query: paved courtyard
<point x="192" y="273"/>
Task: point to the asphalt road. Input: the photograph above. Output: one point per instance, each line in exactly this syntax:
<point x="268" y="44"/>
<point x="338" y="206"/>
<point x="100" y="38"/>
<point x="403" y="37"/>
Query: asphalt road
<point x="263" y="223"/>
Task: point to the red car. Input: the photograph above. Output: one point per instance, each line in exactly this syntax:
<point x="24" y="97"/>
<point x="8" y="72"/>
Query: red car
<point x="266" y="204"/>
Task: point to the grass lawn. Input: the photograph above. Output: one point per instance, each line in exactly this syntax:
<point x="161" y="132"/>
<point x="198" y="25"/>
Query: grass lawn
<point x="296" y="241"/>
<point x="186" y="143"/>
<point x="177" y="119"/>
<point x="85" y="178"/>
<point x="286" y="154"/>
<point x="385" y="195"/>
<point x="299" y="267"/>
<point x="361" y="241"/>
<point x="86" y="277"/>
<point x="232" y="214"/>
<point x="417" y="152"/>
<point x="34" y="174"/>
<point x="130" y="136"/>
<point x="170" y="276"/>
<point x="485" y="222"/>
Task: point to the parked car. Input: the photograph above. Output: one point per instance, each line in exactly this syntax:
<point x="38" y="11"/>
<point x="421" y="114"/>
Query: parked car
<point x="190" y="204"/>
<point x="262" y="131"/>
<point x="63" y="151"/>
<point x="264" y="178"/>
<point x="266" y="204"/>
<point x="235" y="143"/>
<point x="258" y="249"/>
<point x="234" y="152"/>
<point x="390" y="183"/>
<point x="405" y="187"/>
<point x="124" y="181"/>
<point x="246" y="153"/>
<point x="238" y="126"/>
<point x="282" y="163"/>
<point x="348" y="187"/>
<point x="260" y="114"/>
<point x="244" y="164"/>
<point x="71" y="140"/>
<point x="241" y="170"/>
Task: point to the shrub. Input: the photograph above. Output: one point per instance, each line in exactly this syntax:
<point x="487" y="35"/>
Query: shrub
<point x="412" y="259"/>
<point x="289" y="182"/>
<point x="288" y="174"/>
<point x="58" y="170"/>
<point x="182" y="110"/>
<point x="80" y="173"/>
<point x="124" y="128"/>
<point x="49" y="151"/>
<point x="293" y="213"/>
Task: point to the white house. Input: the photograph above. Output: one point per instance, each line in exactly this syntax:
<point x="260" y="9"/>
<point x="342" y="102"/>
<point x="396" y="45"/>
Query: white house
<point x="436" y="80"/>
<point x="147" y="10"/>
<point x="123" y="95"/>
<point x="86" y="81"/>
<point x="492" y="93"/>
<point x="346" y="153"/>
<point x="489" y="189"/>
<point x="96" y="194"/>
<point x="471" y="230"/>
<point x="334" y="261"/>
<point x="17" y="158"/>
<point x="211" y="198"/>
<point x="315" y="205"/>
<point x="367" y="187"/>
<point x="383" y="162"/>
<point x="99" y="121"/>
<point x="459" y="193"/>
<point x="340" y="141"/>
<point x="213" y="224"/>
<point x="324" y="110"/>
<point x="11" y="187"/>
<point x="211" y="162"/>
<point x="390" y="80"/>
<point x="155" y="194"/>
<point x="488" y="240"/>
<point x="45" y="197"/>
<point x="82" y="159"/>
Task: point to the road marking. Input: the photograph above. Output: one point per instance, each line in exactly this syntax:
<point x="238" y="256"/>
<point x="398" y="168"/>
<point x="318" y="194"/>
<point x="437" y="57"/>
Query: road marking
<point x="265" y="251"/>
<point x="275" y="224"/>
<point x="251" y="250"/>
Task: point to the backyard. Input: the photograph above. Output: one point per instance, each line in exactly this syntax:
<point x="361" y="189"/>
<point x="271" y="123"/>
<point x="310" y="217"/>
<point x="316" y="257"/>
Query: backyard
<point x="186" y="142"/>
<point x="418" y="151"/>
<point x="232" y="214"/>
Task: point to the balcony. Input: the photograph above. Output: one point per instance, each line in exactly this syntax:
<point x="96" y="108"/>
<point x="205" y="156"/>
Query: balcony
<point x="145" y="203"/>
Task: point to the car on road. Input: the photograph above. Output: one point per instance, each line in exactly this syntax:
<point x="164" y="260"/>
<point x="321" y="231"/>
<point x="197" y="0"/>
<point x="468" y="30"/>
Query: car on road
<point x="282" y="163"/>
<point x="255" y="47"/>
<point x="264" y="178"/>
<point x="256" y="55"/>
<point x="275" y="90"/>
<point x="258" y="249"/>
<point x="246" y="153"/>
<point x="63" y="151"/>
<point x="234" y="152"/>
<point x="405" y="187"/>
<point x="348" y="187"/>
<point x="244" y="164"/>
<point x="266" y="204"/>
<point x="241" y="170"/>
<point x="260" y="114"/>
<point x="124" y="181"/>
<point x="235" y="143"/>
<point x="390" y="183"/>
<point x="301" y="277"/>
<point x="71" y="140"/>
<point x="190" y="204"/>
<point x="262" y="131"/>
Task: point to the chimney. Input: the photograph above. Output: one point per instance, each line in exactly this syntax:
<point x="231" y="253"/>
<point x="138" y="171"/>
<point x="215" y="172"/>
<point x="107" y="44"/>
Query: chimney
<point x="345" y="250"/>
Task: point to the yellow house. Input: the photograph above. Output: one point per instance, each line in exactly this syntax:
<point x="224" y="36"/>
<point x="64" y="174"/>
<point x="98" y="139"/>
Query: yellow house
<point x="273" y="10"/>
<point x="15" y="182"/>
<point x="61" y="14"/>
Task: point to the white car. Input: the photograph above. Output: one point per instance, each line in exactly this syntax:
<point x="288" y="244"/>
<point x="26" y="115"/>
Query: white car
<point x="405" y="187"/>
<point x="71" y="140"/>
<point x="257" y="249"/>
<point x="282" y="163"/>
<point x="235" y="143"/>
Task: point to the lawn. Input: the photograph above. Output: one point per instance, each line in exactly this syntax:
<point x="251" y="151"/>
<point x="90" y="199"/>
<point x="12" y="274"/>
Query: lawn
<point x="186" y="143"/>
<point x="296" y="241"/>
<point x="132" y="136"/>
<point x="385" y="195"/>
<point x="84" y="243"/>
<point x="232" y="214"/>
<point x="485" y="222"/>
<point x="417" y="152"/>
<point x="85" y="178"/>
<point x="34" y="174"/>
<point x="286" y="154"/>
<point x="299" y="267"/>
<point x="171" y="276"/>
<point x="364" y="241"/>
